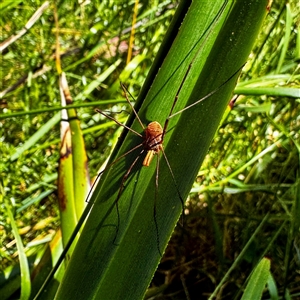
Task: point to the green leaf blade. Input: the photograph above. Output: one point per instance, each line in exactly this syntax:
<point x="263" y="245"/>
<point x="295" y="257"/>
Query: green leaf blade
<point x="117" y="260"/>
<point x="258" y="280"/>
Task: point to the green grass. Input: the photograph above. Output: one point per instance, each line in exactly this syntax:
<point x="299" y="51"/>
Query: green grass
<point x="251" y="170"/>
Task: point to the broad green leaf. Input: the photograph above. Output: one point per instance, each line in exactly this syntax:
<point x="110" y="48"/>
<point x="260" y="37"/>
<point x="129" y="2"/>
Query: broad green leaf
<point x="118" y="252"/>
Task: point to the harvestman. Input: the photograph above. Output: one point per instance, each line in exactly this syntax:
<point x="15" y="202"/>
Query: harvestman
<point x="153" y="144"/>
<point x="153" y="141"/>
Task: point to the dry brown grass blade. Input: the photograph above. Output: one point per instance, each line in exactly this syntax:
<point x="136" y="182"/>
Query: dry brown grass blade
<point x="26" y="27"/>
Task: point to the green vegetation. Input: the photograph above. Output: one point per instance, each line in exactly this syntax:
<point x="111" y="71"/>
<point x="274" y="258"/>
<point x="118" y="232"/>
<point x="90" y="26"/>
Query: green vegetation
<point x="245" y="202"/>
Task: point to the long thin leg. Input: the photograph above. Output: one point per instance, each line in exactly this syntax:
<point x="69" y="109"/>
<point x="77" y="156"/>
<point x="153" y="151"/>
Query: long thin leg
<point x="207" y="96"/>
<point x="107" y="167"/>
<point x="121" y="190"/>
<point x="176" y="98"/>
<point x="188" y="71"/>
<point x="132" y="107"/>
<point x="117" y="122"/>
<point x="174" y="181"/>
<point x="154" y="206"/>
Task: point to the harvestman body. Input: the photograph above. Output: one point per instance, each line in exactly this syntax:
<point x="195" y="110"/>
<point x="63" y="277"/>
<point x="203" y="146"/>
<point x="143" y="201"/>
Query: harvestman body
<point x="153" y="141"/>
<point x="153" y="145"/>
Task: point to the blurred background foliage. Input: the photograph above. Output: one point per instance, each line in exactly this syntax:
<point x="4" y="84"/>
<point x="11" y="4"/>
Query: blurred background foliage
<point x="251" y="170"/>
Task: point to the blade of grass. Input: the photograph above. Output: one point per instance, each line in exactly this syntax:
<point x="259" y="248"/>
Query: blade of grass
<point x="286" y="39"/>
<point x="273" y="288"/>
<point x="24" y="267"/>
<point x="79" y="157"/>
<point x="258" y="280"/>
<point x="239" y="258"/>
<point x="276" y="91"/>
<point x="95" y="83"/>
<point x="48" y="109"/>
<point x="36" y="137"/>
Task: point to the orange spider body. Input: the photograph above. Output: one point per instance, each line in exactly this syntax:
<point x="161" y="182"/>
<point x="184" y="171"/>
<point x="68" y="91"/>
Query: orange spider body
<point x="153" y="141"/>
